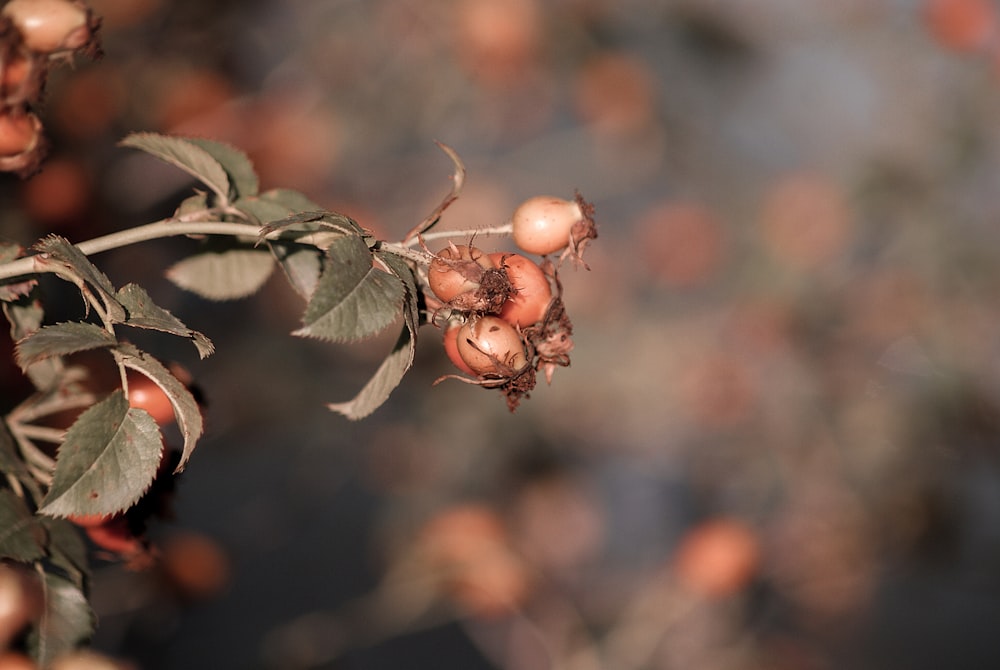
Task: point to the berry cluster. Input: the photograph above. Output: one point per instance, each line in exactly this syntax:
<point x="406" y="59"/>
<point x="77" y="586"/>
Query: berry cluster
<point x="34" y="36"/>
<point x="502" y="313"/>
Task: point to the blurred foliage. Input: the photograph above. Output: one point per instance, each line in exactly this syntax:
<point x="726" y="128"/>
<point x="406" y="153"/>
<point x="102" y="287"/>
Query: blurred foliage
<point x="789" y="327"/>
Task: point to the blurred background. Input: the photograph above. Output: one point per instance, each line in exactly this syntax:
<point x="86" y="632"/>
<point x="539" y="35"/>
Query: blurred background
<point x="776" y="446"/>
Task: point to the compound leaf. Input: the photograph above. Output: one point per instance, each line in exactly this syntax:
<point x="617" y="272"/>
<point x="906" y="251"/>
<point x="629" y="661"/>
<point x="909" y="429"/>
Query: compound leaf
<point x="383" y="382"/>
<point x="186" y="155"/>
<point x="66" y="620"/>
<point x="390" y="373"/>
<point x="353" y="299"/>
<point x="142" y="312"/>
<point x="301" y="264"/>
<point x="57" y="254"/>
<point x="223" y="273"/>
<point x="66" y="548"/>
<point x="107" y="460"/>
<point x="186" y="410"/>
<point x="59" y="340"/>
<point x="22" y="538"/>
<point x="236" y="164"/>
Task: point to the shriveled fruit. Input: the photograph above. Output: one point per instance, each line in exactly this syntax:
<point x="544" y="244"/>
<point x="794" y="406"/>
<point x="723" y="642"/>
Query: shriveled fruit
<point x="451" y="348"/>
<point x="16" y="69"/>
<point x="13" y="661"/>
<point x="456" y="270"/>
<point x="20" y="131"/>
<point x="143" y="393"/>
<point x="542" y="224"/>
<point x="531" y="292"/>
<point x="491" y="346"/>
<point x="48" y="26"/>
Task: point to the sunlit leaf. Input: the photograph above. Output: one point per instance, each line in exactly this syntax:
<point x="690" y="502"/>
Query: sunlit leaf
<point x="107" y="460"/>
<point x="61" y="339"/>
<point x="223" y="272"/>
<point x="186" y="155"/>
<point x="66" y="621"/>
<point x="353" y="300"/>
<point x="22" y="538"/>
<point x="142" y="312"/>
<point x="236" y="164"/>
<point x="186" y="410"/>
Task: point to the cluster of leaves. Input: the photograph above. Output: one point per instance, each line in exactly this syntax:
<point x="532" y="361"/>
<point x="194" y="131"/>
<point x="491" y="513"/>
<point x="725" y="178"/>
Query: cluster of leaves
<point x="353" y="286"/>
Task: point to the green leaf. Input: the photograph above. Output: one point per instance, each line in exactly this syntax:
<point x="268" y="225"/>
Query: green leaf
<point x="66" y="621"/>
<point x="382" y="383"/>
<point x="390" y="373"/>
<point x="186" y="410"/>
<point x="10" y="461"/>
<point x="25" y="317"/>
<point x="353" y="300"/>
<point x="223" y="271"/>
<point x="11" y="290"/>
<point x="22" y="538"/>
<point x="192" y="204"/>
<point x="66" y="548"/>
<point x="301" y="264"/>
<point x="236" y="164"/>
<point x="58" y="255"/>
<point x="107" y="460"/>
<point x="293" y="201"/>
<point x="262" y="209"/>
<point x="142" y="312"/>
<point x="59" y="340"/>
<point x="188" y="156"/>
<point x="10" y="250"/>
<point x="399" y="267"/>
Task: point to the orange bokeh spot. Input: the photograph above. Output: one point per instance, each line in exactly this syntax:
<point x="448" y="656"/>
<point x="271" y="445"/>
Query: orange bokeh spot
<point x="468" y="546"/>
<point x="961" y="25"/>
<point x="717" y="558"/>
<point x="681" y="243"/>
<point x="496" y="42"/>
<point x="806" y="220"/>
<point x="614" y="94"/>
<point x="60" y="194"/>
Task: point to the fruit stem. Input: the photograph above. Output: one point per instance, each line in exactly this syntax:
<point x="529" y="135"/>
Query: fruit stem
<point x="504" y="229"/>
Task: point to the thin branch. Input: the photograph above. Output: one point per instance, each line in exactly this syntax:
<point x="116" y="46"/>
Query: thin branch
<point x="150" y="231"/>
<point x="504" y="229"/>
<point x="458" y="180"/>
